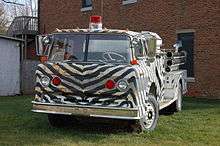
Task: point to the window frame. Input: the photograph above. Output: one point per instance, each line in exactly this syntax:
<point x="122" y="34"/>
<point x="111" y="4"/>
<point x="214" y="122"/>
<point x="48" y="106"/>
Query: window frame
<point x="193" y="33"/>
<point x="86" y="7"/>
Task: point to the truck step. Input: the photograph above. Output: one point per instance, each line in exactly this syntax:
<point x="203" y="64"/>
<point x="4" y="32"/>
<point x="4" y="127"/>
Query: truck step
<point x="166" y="103"/>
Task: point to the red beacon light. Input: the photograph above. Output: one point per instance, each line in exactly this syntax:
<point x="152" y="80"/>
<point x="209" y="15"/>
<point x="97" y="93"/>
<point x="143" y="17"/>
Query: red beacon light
<point x="95" y="23"/>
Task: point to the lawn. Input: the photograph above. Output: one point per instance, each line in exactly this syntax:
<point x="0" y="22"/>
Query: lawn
<point x="197" y="124"/>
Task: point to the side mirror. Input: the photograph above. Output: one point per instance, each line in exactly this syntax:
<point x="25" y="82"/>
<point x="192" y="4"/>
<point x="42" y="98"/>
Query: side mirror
<point x="152" y="44"/>
<point x="46" y="40"/>
<point x="151" y="52"/>
<point x="39" y="45"/>
<point x="42" y="44"/>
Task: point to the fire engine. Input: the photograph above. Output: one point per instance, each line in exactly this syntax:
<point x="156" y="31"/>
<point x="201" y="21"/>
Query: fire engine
<point x="108" y="73"/>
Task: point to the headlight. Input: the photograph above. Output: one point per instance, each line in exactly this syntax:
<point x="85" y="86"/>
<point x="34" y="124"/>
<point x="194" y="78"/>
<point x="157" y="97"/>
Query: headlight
<point x="122" y="85"/>
<point x="45" y="81"/>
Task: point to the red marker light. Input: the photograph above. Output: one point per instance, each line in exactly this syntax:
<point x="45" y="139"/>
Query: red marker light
<point x="95" y="19"/>
<point x="110" y="84"/>
<point x="56" y="81"/>
<point x="134" y="62"/>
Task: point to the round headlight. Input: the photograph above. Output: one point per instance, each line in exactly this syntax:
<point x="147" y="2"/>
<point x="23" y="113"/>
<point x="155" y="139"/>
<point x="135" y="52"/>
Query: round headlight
<point x="122" y="85"/>
<point x="45" y="81"/>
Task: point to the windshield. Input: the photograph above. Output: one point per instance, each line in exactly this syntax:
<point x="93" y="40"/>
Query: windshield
<point x="108" y="48"/>
<point x="68" y="47"/>
<point x="105" y="48"/>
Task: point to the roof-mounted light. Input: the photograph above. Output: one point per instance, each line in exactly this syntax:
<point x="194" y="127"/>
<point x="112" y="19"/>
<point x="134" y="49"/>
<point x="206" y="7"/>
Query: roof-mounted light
<point x="95" y="23"/>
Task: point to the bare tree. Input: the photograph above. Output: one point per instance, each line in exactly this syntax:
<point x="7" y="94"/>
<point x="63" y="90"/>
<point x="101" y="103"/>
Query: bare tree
<point x="29" y="8"/>
<point x="9" y="9"/>
<point x="10" y="2"/>
<point x="3" y="20"/>
<point x="26" y="8"/>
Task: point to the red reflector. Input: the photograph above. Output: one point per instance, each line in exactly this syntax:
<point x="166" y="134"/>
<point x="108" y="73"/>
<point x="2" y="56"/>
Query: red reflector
<point x="56" y="81"/>
<point x="110" y="84"/>
<point x="134" y="62"/>
<point x="95" y="19"/>
<point x="43" y="59"/>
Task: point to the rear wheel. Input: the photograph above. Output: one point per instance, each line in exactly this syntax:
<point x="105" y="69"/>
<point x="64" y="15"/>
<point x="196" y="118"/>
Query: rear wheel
<point x="179" y="100"/>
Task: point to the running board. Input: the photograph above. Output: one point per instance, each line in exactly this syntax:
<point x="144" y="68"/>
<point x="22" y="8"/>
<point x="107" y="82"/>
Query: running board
<point x="166" y="103"/>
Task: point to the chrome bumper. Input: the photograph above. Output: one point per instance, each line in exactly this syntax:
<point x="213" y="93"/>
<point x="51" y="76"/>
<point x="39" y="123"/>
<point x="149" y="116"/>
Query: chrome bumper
<point x="91" y="111"/>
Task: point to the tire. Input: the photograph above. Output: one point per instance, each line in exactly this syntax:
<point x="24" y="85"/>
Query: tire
<point x="151" y="114"/>
<point x="59" y="120"/>
<point x="176" y="106"/>
<point x="178" y="102"/>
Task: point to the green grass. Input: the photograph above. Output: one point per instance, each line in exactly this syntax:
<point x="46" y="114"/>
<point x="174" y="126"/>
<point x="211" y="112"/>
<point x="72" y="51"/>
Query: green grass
<point x="197" y="124"/>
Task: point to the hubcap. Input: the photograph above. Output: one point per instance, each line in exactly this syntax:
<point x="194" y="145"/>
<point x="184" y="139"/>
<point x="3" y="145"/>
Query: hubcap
<point x="149" y="116"/>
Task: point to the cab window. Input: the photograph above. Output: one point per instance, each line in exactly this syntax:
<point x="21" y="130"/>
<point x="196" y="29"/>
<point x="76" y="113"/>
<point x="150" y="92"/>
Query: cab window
<point x="138" y="48"/>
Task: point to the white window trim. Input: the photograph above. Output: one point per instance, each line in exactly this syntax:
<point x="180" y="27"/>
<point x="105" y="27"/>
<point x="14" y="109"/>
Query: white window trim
<point x="185" y="31"/>
<point x="86" y="9"/>
<point x="126" y="2"/>
<point x="190" y="79"/>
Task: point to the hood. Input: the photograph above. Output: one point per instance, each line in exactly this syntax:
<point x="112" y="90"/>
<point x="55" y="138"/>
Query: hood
<point x="85" y="79"/>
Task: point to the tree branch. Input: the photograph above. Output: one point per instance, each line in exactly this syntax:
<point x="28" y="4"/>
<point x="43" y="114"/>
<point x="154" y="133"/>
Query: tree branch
<point x="14" y="3"/>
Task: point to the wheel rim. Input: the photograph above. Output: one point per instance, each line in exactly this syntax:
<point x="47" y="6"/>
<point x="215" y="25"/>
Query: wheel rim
<point x="149" y="116"/>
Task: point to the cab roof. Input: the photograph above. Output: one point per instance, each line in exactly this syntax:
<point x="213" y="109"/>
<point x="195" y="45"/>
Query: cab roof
<point x="117" y="31"/>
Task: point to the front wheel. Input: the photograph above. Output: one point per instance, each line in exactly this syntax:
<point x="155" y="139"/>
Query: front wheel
<point x="150" y="116"/>
<point x="56" y="120"/>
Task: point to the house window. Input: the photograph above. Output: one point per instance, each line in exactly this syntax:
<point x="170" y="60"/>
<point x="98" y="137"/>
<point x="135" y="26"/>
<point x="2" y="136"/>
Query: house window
<point x="187" y="39"/>
<point x="125" y="2"/>
<point x="86" y="5"/>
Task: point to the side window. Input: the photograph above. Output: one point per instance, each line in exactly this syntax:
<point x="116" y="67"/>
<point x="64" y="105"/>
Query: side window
<point x="138" y="48"/>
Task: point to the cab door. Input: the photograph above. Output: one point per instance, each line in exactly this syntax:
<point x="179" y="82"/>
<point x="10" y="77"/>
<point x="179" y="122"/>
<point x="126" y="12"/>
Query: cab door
<point x="143" y="67"/>
<point x="156" y="72"/>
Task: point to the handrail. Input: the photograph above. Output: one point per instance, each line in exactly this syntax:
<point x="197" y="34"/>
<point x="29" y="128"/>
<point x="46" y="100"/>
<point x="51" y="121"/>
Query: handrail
<point x="23" y="25"/>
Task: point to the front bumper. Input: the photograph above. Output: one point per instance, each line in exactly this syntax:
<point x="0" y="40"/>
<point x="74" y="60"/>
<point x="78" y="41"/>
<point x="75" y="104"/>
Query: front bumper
<point x="90" y="111"/>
